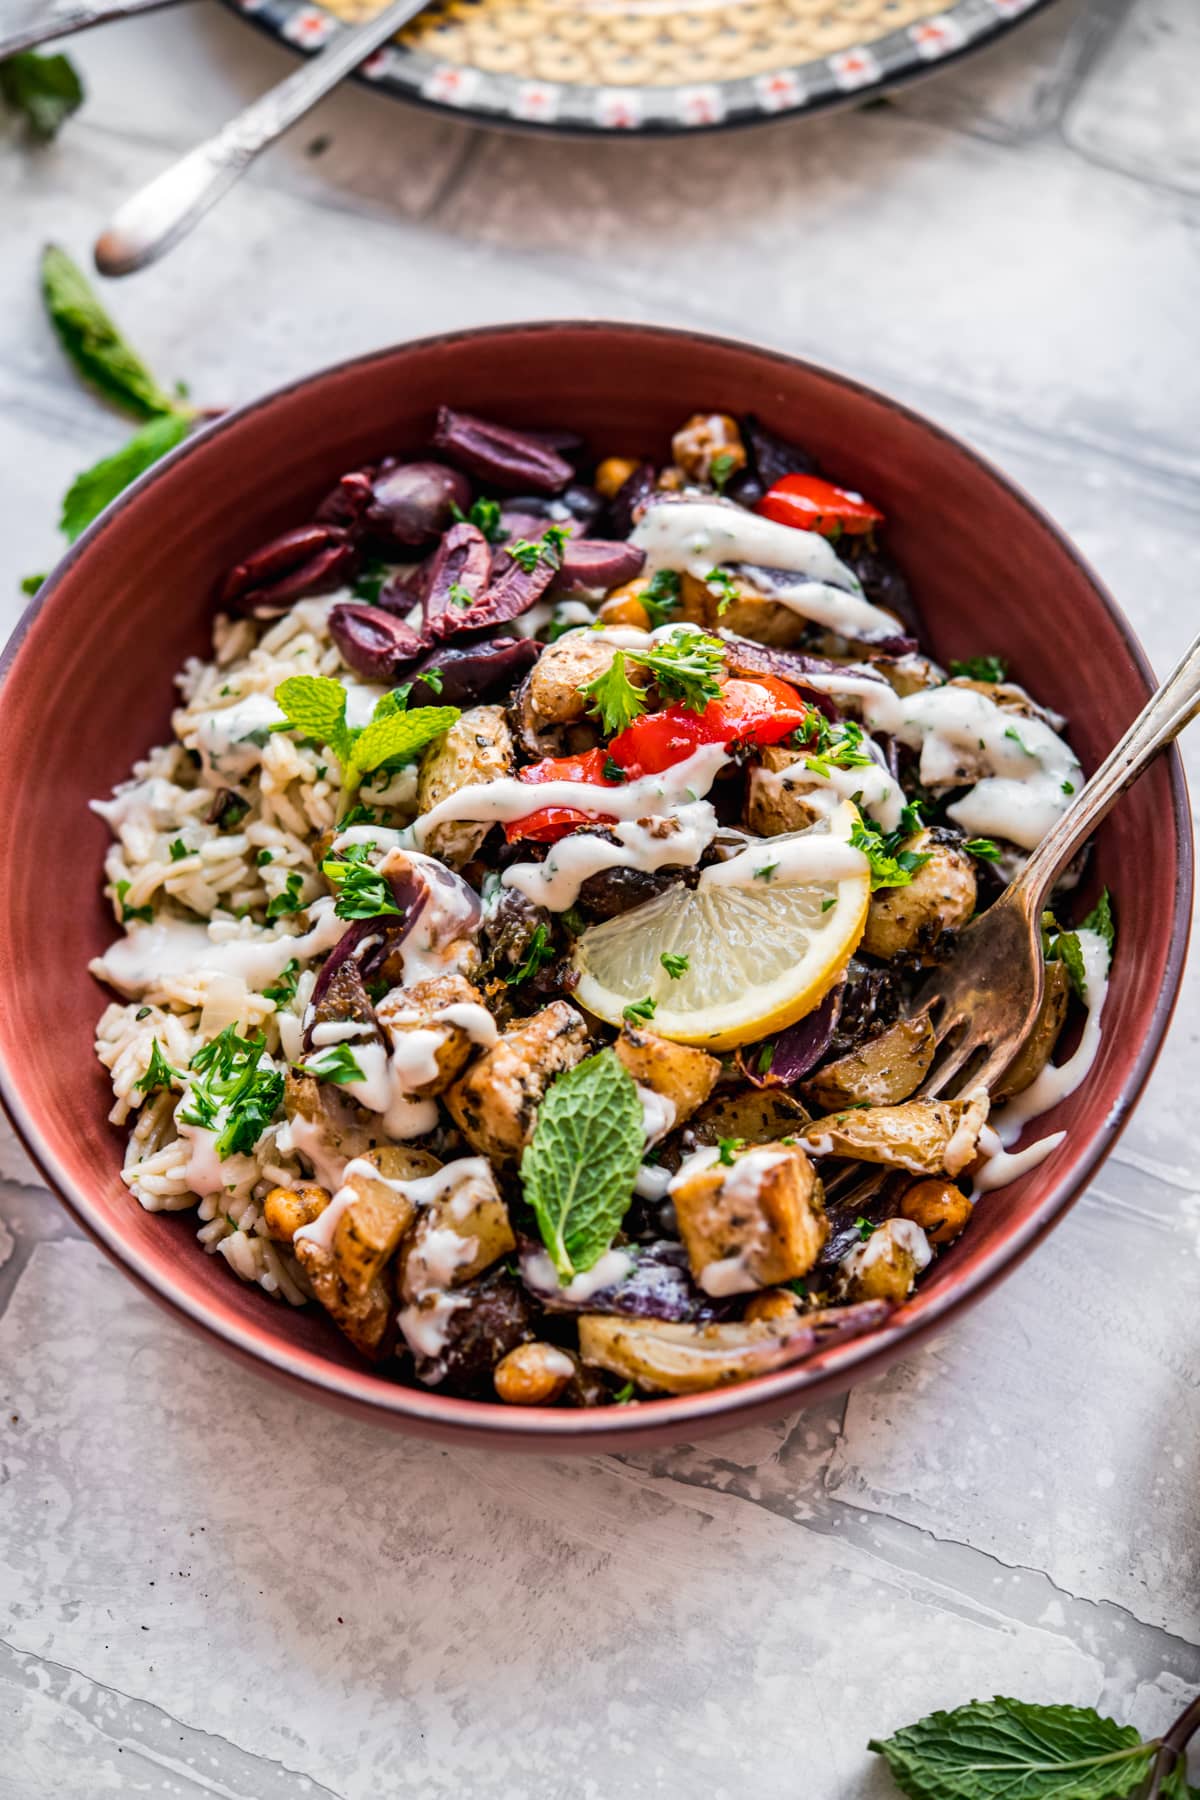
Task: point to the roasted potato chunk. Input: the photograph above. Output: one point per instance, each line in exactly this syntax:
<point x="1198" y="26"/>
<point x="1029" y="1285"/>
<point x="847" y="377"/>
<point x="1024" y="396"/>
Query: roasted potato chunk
<point x="459" y="1234"/>
<point x="563" y="669"/>
<point x="680" y="1075"/>
<point x="881" y="1071"/>
<point x="909" y="921"/>
<point x="756" y="1115"/>
<point x="477" y="748"/>
<point x="752" y="1223"/>
<point x="687" y="1359"/>
<point x="927" y="1137"/>
<point x="1038" y="1047"/>
<point x="941" y="1210"/>
<point x="495" y="1103"/>
<point x="774" y="803"/>
<point x="887" y="1264"/>
<point x="430" y="1050"/>
<point x="346" y="1263"/>
<point x="740" y="608"/>
<point x="286" y="1209"/>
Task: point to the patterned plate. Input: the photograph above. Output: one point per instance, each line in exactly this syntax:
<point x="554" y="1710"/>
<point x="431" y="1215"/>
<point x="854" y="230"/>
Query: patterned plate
<point x="649" y="65"/>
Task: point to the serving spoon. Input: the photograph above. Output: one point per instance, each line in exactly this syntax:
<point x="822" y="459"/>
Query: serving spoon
<point x="24" y="23"/>
<point x="166" y="209"/>
<point x="983" y="1002"/>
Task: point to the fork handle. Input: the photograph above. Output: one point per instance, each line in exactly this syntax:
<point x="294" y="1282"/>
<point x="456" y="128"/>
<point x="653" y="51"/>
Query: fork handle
<point x="1158" y="724"/>
<point x="24" y="23"/>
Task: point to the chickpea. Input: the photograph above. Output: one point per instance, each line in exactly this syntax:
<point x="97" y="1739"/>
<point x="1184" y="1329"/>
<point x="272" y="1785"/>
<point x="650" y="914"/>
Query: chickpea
<point x="938" y="1208"/>
<point x="709" y="448"/>
<point x="533" y="1375"/>
<point x="286" y="1209"/>
<point x="613" y="473"/>
<point x="773" y="1303"/>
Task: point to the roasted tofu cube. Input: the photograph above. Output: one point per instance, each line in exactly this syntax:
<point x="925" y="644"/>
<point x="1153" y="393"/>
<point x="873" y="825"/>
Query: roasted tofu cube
<point x="430" y="1050"/>
<point x="754" y="1222"/>
<point x="477" y="748"/>
<point x="345" y="1253"/>
<point x="458" y="1234"/>
<point x="495" y="1103"/>
<point x="679" y="1075"/>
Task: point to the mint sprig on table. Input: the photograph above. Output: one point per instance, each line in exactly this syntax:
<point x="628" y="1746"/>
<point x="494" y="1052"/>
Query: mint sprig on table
<point x="315" y="706"/>
<point x="108" y="363"/>
<point x="1011" y="1750"/>
<point x="579" y="1169"/>
<point x="43" y="90"/>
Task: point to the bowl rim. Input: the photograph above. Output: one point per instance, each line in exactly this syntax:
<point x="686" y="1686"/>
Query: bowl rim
<point x="839" y="1366"/>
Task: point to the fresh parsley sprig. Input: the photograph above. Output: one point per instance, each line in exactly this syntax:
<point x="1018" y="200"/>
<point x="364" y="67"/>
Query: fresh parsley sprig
<point x="315" y="706"/>
<point x="1062" y="945"/>
<point x="579" y="1169"/>
<point x="548" y="548"/>
<point x="661" y="596"/>
<point x="840" y="749"/>
<point x="890" y="865"/>
<point x="485" y="516"/>
<point x="540" y="952"/>
<point x="685" y="666"/>
<point x="230" y="1091"/>
<point x="362" y="892"/>
<point x="981" y="668"/>
<point x="159" y="1074"/>
<point x="613" y="698"/>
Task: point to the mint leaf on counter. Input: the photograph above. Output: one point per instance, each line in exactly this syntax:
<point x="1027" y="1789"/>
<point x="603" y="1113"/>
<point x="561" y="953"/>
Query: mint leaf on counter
<point x="95" y="344"/>
<point x="579" y="1169"/>
<point x="44" y="90"/>
<point x="1009" y="1750"/>
<point x="92" y="491"/>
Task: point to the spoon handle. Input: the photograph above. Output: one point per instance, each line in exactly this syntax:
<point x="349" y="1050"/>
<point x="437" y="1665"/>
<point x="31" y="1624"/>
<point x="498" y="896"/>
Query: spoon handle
<point x="24" y="23"/>
<point x="1158" y="724"/>
<point x="167" y="208"/>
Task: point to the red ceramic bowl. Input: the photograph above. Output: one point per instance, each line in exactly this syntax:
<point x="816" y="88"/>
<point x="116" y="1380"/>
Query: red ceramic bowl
<point x="87" y="689"/>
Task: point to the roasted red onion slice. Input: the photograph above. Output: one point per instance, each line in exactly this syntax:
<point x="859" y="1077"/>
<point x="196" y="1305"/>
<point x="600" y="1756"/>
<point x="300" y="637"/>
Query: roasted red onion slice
<point x="798" y="1049"/>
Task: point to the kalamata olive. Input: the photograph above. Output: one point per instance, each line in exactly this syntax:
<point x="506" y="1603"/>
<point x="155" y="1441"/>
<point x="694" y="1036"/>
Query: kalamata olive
<point x="510" y="594"/>
<point x="510" y="460"/>
<point x="773" y="457"/>
<point x="376" y="644"/>
<point x="411" y="502"/>
<point x="458" y="573"/>
<point x="630" y="500"/>
<point x="347" y="503"/>
<point x="598" y="563"/>
<point x="577" y="502"/>
<point x="521" y="520"/>
<point x="405" y="588"/>
<point x="882" y="581"/>
<point x="871" y="1001"/>
<point x="472" y="671"/>
<point x="312" y="559"/>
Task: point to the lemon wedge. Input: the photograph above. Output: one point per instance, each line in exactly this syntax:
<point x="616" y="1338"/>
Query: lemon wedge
<point x="765" y="936"/>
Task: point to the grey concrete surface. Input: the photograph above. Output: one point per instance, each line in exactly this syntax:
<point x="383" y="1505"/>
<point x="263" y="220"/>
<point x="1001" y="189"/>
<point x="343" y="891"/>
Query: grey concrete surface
<point x="208" y="1588"/>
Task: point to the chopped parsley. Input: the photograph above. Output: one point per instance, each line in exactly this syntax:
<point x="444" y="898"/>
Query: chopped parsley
<point x="144" y="913"/>
<point x="178" y="850"/>
<point x="459" y="596"/>
<point x="541" y="951"/>
<point x="661" y="596"/>
<point x="843" y="750"/>
<point x="797" y="1286"/>
<point x="766" y="1057"/>
<point x="639" y="1012"/>
<point x="159" y="1073"/>
<point x="361" y="815"/>
<point x="264" y="857"/>
<point x="720" y="582"/>
<point x="625" y="1396"/>
<point x="827" y="905"/>
<point x="721" y="469"/>
<point x="685" y="667"/>
<point x="981" y="668"/>
<point x="890" y="865"/>
<point x="727" y="1149"/>
<point x="549" y="549"/>
<point x="675" y="964"/>
<point x="233" y="811"/>
<point x="362" y="892"/>
<point x="336" y="1064"/>
<point x="1068" y="787"/>
<point x="613" y="770"/>
<point x="766" y="873"/>
<point x="231" y="1092"/>
<point x="485" y="516"/>
<point x="983" y="848"/>
<point x="1010" y="731"/>
<point x="865" y="1227"/>
<point x="289" y="900"/>
<point x="284" y="989"/>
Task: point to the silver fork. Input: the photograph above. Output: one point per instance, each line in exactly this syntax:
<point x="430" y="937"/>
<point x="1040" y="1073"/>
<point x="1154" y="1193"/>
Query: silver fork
<point x="983" y="1001"/>
<point x="24" y="23"/>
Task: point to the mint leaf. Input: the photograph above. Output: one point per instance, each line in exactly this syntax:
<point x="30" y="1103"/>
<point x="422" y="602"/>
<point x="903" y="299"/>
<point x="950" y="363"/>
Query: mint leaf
<point x="1008" y="1750"/>
<point x="45" y="90"/>
<point x="94" y="343"/>
<point x="315" y="706"/>
<point x="92" y="491"/>
<point x="579" y="1169"/>
<point x="1101" y="921"/>
<point x="395" y="737"/>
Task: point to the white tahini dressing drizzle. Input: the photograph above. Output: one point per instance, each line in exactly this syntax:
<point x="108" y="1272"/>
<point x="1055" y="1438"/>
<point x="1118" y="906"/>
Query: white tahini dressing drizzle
<point x="766" y="862"/>
<point x="1023" y="773"/>
<point x="658" y="1113"/>
<point x="694" y="536"/>
<point x="1052" y="1085"/>
<point x="149" y="955"/>
<point x="610" y="1271"/>
<point x="892" y="1235"/>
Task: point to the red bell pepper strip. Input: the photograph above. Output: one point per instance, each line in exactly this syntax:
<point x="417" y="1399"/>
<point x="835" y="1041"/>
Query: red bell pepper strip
<point x="763" y="711"/>
<point x="550" y="823"/>
<point x="810" y="504"/>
